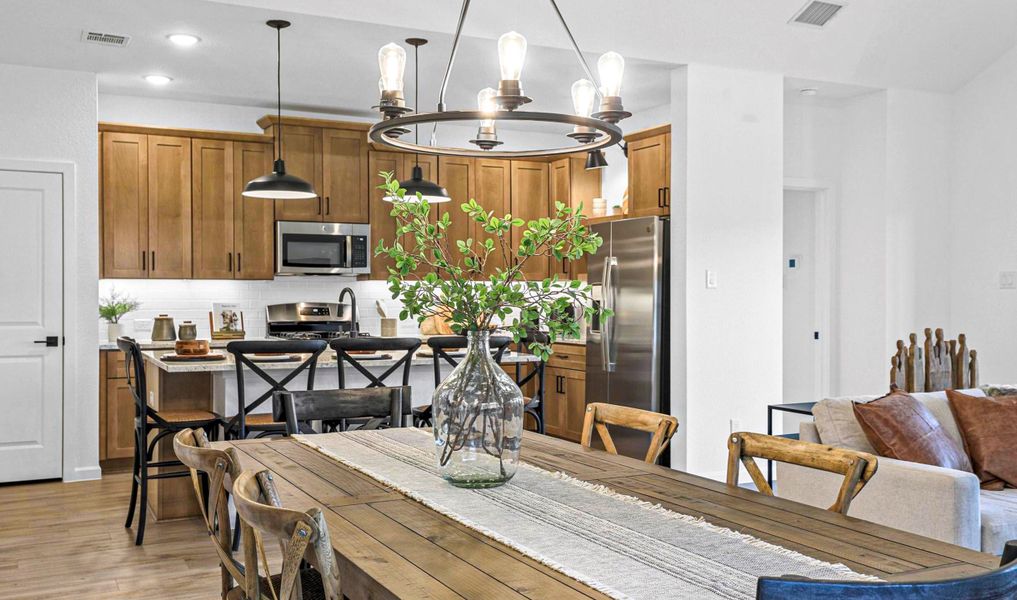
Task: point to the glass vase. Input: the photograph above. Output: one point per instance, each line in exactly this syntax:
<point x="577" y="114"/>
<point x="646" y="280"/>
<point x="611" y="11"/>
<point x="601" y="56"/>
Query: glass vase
<point x="477" y="413"/>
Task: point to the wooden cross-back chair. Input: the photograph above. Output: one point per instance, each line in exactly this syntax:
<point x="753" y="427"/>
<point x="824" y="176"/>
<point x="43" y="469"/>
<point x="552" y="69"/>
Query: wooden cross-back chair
<point x="302" y="536"/>
<point x="219" y="466"/>
<point x="856" y="467"/>
<point x="378" y="407"/>
<point x="238" y="426"/>
<point x="599" y="415"/>
<point x="440" y="346"/>
<point x="1000" y="584"/>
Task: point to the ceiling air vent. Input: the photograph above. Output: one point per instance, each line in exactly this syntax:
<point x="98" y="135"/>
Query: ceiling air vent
<point x="105" y="39"/>
<point x="816" y="13"/>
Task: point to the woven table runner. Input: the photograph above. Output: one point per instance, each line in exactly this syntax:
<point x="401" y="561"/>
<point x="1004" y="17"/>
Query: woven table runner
<point x="616" y="544"/>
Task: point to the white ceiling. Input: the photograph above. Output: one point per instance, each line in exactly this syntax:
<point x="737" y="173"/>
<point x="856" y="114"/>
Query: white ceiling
<point x="329" y="55"/>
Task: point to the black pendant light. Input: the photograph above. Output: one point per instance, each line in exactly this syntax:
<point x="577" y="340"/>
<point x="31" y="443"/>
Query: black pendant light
<point x="416" y="184"/>
<point x="595" y="160"/>
<point x="279" y="185"/>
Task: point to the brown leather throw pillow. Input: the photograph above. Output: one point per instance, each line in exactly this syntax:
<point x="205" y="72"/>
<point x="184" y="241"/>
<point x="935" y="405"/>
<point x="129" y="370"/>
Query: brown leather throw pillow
<point x="898" y="426"/>
<point x="989" y="429"/>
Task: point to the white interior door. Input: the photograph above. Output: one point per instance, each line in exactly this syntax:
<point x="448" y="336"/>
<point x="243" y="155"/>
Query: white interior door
<point x="31" y="310"/>
<point x="801" y="328"/>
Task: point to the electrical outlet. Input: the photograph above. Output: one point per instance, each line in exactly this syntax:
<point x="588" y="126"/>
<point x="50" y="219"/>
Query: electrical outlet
<point x="1008" y="280"/>
<point x="711" y="279"/>
<point x="142" y="326"/>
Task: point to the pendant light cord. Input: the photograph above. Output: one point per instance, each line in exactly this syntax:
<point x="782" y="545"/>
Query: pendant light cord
<point x="416" y="100"/>
<point x="278" y="91"/>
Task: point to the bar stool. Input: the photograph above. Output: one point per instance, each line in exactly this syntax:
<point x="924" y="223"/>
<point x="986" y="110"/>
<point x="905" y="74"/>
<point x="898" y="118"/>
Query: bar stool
<point x="345" y="349"/>
<point x="164" y="423"/>
<point x="238" y="426"/>
<point x="440" y="346"/>
<point x="533" y="405"/>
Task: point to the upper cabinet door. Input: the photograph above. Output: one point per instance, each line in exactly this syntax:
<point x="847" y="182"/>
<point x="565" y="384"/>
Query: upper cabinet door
<point x="254" y="218"/>
<point x="212" y="189"/>
<point x="383" y="225"/>
<point x="429" y="168"/>
<point x="649" y="176"/>
<point x="530" y="202"/>
<point x="457" y="175"/>
<point x="301" y="148"/>
<point x="125" y="205"/>
<point x="560" y="173"/>
<point x="345" y="176"/>
<point x="169" y="209"/>
<point x="493" y="192"/>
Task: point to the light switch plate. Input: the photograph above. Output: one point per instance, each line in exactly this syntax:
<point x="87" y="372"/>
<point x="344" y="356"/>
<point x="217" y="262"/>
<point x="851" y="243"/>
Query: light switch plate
<point x="711" y="279"/>
<point x="1008" y="280"/>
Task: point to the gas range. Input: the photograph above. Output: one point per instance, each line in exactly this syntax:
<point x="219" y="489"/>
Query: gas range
<point x="309" y="321"/>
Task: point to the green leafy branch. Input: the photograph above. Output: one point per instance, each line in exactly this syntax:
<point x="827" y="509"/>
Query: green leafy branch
<point x="457" y="280"/>
<point x="116" y="305"/>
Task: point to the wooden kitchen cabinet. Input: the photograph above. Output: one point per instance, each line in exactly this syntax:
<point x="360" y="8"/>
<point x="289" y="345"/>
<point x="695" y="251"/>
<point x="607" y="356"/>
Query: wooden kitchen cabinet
<point x="124" y="205"/>
<point x="212" y="196"/>
<point x="302" y="152"/>
<point x="649" y="172"/>
<point x="573" y="185"/>
<point x="458" y="176"/>
<point x="565" y="391"/>
<point x="529" y="202"/>
<point x="169" y="207"/>
<point x="493" y="192"/>
<point x="253" y="218"/>
<point x="383" y="225"/>
<point x="345" y="176"/>
<point x="116" y="408"/>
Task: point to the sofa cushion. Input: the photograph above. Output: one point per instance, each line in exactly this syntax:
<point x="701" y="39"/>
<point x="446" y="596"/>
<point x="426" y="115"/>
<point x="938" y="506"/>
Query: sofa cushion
<point x="999" y="519"/>
<point x="989" y="429"/>
<point x="899" y="426"/>
<point x="837" y="425"/>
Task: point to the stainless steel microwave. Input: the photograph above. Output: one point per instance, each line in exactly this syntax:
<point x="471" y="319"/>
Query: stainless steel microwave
<point x="322" y="248"/>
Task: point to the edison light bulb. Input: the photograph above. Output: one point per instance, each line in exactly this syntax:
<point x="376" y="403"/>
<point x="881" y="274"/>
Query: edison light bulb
<point x="392" y="62"/>
<point x="487" y="105"/>
<point x="511" y="53"/>
<point x="583" y="95"/>
<point x="611" y="67"/>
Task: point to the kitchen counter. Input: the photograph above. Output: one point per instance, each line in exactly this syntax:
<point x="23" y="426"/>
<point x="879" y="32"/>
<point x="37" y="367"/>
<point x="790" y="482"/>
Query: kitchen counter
<point x="150" y="345"/>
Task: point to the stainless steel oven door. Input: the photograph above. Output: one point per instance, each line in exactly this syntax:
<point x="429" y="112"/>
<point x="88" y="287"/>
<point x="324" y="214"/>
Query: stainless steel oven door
<point x="322" y="248"/>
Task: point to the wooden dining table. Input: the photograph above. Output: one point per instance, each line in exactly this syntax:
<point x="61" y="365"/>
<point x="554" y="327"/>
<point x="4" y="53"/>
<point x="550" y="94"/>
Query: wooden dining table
<point x="389" y="546"/>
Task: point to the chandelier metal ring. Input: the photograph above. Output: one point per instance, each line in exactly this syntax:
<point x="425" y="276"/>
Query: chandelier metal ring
<point x="612" y="134"/>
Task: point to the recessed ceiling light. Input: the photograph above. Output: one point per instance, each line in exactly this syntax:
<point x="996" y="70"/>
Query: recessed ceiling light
<point x="158" y="79"/>
<point x="184" y="40"/>
<point x="808" y="91"/>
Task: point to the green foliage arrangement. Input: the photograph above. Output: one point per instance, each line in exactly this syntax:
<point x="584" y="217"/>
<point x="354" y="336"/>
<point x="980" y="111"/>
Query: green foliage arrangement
<point x="116" y="305"/>
<point x="450" y="278"/>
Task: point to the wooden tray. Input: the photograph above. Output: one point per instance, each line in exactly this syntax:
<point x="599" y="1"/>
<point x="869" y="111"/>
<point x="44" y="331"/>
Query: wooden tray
<point x="210" y="357"/>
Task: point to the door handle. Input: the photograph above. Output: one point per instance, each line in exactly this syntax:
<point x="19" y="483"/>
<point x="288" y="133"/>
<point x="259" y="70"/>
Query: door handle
<point x="51" y="341"/>
<point x="607" y="301"/>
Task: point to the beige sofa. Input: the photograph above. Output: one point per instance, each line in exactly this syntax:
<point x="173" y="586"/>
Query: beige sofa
<point x="932" y="501"/>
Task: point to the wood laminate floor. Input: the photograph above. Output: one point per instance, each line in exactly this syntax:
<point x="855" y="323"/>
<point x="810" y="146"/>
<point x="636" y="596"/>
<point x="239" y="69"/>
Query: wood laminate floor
<point x="67" y="540"/>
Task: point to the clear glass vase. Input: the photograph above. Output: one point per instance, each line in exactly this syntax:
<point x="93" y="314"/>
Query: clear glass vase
<point x="477" y="413"/>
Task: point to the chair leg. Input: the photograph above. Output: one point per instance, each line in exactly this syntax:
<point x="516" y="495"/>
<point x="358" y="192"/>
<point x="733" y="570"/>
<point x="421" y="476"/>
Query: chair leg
<point x="143" y="509"/>
<point x="134" y="481"/>
<point x="236" y="533"/>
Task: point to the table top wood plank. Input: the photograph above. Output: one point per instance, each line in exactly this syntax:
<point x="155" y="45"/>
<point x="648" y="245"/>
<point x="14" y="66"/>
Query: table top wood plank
<point x="394" y="547"/>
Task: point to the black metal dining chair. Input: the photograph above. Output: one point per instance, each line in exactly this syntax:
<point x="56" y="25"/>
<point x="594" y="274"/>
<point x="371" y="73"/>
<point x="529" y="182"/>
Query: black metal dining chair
<point x="347" y="350"/>
<point x="163" y="423"/>
<point x="440" y="347"/>
<point x="245" y="421"/>
<point x="1000" y="584"/>
<point x="380" y="407"/>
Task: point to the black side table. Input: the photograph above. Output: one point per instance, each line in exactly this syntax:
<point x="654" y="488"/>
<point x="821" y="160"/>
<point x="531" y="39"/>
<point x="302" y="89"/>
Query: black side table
<point x="798" y="408"/>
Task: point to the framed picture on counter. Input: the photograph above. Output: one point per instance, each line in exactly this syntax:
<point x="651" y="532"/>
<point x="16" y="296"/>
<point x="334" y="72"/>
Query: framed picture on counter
<point x="226" y="321"/>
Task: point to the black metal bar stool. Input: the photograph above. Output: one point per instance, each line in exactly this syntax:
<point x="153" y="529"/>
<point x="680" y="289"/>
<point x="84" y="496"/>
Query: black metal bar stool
<point x="440" y="347"/>
<point x="239" y="425"/>
<point x="532" y="405"/>
<point x="163" y="423"/>
<point x="346" y="350"/>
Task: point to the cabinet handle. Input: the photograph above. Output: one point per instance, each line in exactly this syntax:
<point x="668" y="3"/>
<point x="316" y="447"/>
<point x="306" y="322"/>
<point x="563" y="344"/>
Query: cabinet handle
<point x="328" y="205"/>
<point x="319" y="205"/>
<point x="230" y="256"/>
<point x="660" y="197"/>
<point x="238" y="262"/>
<point x="144" y="260"/>
<point x="153" y="260"/>
<point x="667" y="197"/>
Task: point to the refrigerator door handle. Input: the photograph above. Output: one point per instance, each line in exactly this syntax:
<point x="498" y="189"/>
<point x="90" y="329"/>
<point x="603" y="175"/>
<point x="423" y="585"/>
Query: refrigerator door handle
<point x="608" y="297"/>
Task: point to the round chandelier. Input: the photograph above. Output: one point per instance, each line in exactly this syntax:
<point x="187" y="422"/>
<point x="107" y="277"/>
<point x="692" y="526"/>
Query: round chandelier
<point x="591" y="131"/>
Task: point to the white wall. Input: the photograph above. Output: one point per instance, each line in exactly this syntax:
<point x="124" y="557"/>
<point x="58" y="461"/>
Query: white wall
<point x="727" y="177"/>
<point x="982" y="225"/>
<point x="50" y="115"/>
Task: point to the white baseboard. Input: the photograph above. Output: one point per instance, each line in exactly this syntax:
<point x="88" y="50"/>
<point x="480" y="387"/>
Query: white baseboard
<point x="84" y="474"/>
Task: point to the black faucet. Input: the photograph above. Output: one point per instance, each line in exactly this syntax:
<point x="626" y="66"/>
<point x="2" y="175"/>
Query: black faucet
<point x="355" y="330"/>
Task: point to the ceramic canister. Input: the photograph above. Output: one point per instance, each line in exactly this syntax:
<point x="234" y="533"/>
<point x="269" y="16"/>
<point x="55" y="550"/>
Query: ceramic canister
<point x="188" y="331"/>
<point x="163" y="330"/>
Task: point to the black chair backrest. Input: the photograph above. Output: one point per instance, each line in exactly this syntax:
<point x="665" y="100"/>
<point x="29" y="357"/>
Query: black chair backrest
<point x="343" y="347"/>
<point x="440" y="345"/>
<point x="135" y="367"/>
<point x="536" y="369"/>
<point x="1000" y="584"/>
<point x="379" y="404"/>
<point x="241" y="350"/>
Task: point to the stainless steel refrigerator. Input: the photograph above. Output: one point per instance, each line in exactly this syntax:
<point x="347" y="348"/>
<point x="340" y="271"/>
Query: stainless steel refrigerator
<point x="627" y="355"/>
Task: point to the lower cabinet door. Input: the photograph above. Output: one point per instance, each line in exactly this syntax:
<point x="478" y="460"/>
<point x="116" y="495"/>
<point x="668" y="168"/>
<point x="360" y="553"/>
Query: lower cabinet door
<point x="575" y="403"/>
<point x="554" y="402"/>
<point x="119" y="419"/>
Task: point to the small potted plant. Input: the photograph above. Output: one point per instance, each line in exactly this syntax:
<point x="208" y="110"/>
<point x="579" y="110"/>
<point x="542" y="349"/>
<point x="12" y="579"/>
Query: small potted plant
<point x="112" y="308"/>
<point x="477" y="411"/>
